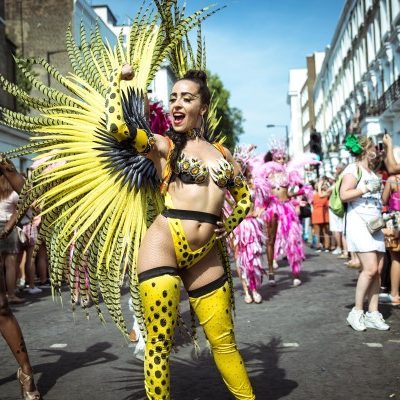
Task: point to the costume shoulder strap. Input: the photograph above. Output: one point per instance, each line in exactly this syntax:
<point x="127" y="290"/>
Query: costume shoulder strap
<point x="220" y="148"/>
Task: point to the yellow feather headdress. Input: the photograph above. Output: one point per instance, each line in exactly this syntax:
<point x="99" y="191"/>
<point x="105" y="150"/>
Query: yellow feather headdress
<point x="96" y="194"/>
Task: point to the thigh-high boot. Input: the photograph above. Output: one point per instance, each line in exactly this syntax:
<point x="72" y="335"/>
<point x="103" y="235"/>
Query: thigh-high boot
<point x="159" y="291"/>
<point x="212" y="306"/>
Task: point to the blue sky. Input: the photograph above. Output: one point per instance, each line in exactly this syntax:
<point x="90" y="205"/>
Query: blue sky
<point x="251" y="45"/>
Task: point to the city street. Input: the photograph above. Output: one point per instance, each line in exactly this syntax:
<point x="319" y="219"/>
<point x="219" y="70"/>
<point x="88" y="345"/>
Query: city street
<point x="295" y="344"/>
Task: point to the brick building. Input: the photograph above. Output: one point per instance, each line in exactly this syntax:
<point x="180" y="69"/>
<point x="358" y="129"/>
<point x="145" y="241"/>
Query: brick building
<point x="37" y="28"/>
<point x="7" y="67"/>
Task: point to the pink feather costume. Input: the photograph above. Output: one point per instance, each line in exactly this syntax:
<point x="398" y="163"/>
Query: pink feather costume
<point x="159" y="121"/>
<point x="249" y="235"/>
<point x="249" y="240"/>
<point x="289" y="230"/>
<point x="289" y="233"/>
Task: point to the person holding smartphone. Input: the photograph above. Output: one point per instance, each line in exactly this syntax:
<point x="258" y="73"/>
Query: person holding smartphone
<point x="363" y="198"/>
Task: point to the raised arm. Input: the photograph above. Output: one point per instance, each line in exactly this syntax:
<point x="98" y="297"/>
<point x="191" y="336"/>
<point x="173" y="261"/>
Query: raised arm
<point x="322" y="192"/>
<point x="133" y="124"/>
<point x="392" y="166"/>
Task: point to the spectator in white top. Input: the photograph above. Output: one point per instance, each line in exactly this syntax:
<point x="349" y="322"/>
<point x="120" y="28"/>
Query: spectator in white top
<point x="361" y="190"/>
<point x="9" y="327"/>
<point x="9" y="246"/>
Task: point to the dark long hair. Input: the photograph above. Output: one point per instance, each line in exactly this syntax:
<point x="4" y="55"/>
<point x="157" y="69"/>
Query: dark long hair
<point x="5" y="188"/>
<point x="268" y="157"/>
<point x="200" y="78"/>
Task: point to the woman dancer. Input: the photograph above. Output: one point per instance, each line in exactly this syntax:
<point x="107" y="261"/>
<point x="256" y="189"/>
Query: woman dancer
<point x="284" y="230"/>
<point x="249" y="236"/>
<point x="195" y="176"/>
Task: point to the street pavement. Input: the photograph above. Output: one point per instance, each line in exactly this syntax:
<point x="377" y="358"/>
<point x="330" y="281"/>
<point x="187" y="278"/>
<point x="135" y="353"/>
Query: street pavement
<point x="296" y="346"/>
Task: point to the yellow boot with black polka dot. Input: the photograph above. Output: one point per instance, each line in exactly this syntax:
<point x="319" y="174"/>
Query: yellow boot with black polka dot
<point x="160" y="298"/>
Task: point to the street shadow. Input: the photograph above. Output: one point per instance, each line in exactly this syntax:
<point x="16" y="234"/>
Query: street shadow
<point x="198" y="378"/>
<point x="30" y="299"/>
<point x="387" y="310"/>
<point x="66" y="363"/>
<point x="311" y="255"/>
<point x="284" y="281"/>
<point x="352" y="283"/>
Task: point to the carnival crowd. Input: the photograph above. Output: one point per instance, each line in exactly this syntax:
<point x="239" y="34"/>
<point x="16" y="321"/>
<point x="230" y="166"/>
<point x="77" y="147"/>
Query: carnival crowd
<point x="287" y="213"/>
<point x="203" y="206"/>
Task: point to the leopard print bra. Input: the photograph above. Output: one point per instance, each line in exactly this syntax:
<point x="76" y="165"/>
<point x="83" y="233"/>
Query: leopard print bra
<point x="192" y="171"/>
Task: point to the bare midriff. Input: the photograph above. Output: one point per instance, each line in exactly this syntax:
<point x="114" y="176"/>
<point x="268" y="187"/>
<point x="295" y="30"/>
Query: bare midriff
<point x="207" y="198"/>
<point x="281" y="193"/>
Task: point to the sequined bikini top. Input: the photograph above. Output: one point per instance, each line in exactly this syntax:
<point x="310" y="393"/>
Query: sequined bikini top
<point x="191" y="170"/>
<point x="279" y="179"/>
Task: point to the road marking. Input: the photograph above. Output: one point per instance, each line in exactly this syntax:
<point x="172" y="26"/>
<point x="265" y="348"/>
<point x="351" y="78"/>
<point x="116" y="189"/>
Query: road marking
<point x="290" y="344"/>
<point x="394" y="340"/>
<point x="58" y="345"/>
<point x="374" y="344"/>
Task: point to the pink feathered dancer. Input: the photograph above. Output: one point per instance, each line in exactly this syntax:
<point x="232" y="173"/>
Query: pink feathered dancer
<point x="289" y="230"/>
<point x="249" y="235"/>
<point x="249" y="239"/>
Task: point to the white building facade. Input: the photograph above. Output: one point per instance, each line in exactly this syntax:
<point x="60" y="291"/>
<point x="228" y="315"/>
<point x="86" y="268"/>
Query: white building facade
<point x="358" y="87"/>
<point x="297" y="80"/>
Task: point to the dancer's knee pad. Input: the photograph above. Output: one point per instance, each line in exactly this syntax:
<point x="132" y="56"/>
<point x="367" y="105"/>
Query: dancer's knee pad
<point x="160" y="299"/>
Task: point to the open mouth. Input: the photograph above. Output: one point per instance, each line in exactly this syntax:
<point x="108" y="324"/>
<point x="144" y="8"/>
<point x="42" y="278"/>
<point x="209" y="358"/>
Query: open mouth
<point x="177" y="118"/>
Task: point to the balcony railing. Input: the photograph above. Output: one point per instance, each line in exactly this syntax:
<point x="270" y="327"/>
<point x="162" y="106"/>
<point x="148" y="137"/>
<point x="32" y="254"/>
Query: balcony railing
<point x="368" y="109"/>
<point x="391" y="95"/>
<point x="377" y="107"/>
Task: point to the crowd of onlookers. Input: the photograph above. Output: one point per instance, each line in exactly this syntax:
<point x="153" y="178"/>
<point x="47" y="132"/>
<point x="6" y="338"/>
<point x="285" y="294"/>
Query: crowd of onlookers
<point x="24" y="270"/>
<point x="26" y="266"/>
<point x="324" y="230"/>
